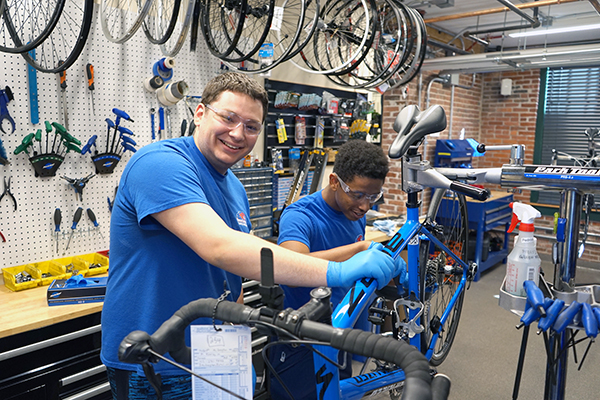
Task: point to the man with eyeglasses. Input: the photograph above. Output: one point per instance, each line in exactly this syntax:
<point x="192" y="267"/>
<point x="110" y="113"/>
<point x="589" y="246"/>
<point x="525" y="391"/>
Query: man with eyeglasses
<point x="329" y="224"/>
<point x="180" y="230"/>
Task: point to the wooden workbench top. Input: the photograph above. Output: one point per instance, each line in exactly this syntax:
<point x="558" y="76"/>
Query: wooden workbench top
<point x="28" y="309"/>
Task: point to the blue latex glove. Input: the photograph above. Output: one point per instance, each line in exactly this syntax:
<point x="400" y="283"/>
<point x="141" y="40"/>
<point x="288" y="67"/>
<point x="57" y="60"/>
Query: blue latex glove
<point x="371" y="263"/>
<point x="375" y="245"/>
<point x="403" y="272"/>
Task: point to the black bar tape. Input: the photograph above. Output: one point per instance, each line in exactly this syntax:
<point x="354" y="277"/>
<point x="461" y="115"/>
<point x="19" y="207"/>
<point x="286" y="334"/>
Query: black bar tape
<point x="471" y="191"/>
<point x="440" y="387"/>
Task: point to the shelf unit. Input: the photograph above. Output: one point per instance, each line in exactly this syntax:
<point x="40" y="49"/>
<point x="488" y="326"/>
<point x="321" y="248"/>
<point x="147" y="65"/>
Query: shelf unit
<point x="258" y="183"/>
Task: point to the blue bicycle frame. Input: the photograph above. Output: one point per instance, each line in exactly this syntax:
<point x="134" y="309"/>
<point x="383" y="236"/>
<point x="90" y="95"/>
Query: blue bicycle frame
<point x="360" y="296"/>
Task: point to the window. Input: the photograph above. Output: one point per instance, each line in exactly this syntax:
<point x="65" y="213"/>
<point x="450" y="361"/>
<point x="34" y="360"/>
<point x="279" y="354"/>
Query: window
<point x="569" y="105"/>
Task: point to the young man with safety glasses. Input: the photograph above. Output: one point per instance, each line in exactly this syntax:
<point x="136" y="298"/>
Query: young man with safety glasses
<point x="329" y="224"/>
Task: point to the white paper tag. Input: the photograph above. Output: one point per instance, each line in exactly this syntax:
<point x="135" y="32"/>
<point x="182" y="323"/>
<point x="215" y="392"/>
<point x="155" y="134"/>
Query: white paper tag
<point x="224" y="358"/>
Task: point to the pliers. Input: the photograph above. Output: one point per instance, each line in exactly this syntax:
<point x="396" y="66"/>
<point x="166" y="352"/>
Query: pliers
<point x="6" y="96"/>
<point x="7" y="192"/>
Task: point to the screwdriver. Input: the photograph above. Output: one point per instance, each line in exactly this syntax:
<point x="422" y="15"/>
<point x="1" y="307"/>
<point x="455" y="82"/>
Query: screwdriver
<point x="57" y="219"/>
<point x="92" y="218"/>
<point x="76" y="218"/>
<point x="89" y="69"/>
<point x="63" y="89"/>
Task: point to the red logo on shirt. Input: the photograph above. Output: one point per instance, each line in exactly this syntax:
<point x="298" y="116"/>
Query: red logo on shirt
<point x="241" y="219"/>
<point x="360" y="238"/>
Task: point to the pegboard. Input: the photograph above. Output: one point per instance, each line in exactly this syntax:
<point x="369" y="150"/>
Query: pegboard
<point x="120" y="70"/>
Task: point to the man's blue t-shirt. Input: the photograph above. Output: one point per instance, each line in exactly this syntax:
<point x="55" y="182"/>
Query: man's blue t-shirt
<point x="313" y="222"/>
<point x="152" y="272"/>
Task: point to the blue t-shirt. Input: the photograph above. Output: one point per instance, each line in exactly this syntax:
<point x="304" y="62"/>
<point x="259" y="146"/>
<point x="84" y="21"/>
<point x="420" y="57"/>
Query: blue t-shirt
<point x="152" y="272"/>
<point x="313" y="222"/>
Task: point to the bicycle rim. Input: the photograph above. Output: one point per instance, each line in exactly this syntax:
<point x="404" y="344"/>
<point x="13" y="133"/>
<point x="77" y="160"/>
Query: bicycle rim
<point x="24" y="25"/>
<point x="184" y="19"/>
<point x="309" y="24"/>
<point x="160" y="20"/>
<point x="67" y="40"/>
<point x="440" y="275"/>
<point x="120" y="19"/>
<point x="327" y="37"/>
<point x="222" y="24"/>
<point x="281" y="38"/>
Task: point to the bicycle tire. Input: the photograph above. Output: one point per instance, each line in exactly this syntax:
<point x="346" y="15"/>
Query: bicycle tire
<point x="16" y="20"/>
<point x="119" y="24"/>
<point x="440" y="275"/>
<point x="327" y="19"/>
<point x="285" y="29"/>
<point x="160" y="21"/>
<point x="172" y="46"/>
<point x="67" y="40"/>
<point x="222" y="25"/>
<point x="2" y="3"/>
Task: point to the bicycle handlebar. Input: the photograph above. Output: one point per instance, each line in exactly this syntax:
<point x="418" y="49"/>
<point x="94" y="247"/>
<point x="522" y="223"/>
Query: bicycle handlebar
<point x="170" y="338"/>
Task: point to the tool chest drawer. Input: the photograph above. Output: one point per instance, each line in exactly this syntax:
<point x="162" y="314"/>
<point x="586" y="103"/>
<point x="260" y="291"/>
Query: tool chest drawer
<point x="258" y="183"/>
<point x="61" y="361"/>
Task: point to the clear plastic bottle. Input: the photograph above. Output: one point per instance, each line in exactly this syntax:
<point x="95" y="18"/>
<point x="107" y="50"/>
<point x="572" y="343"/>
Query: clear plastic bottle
<point x="523" y="262"/>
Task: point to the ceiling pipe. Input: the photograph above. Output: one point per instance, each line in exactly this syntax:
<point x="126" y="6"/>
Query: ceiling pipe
<point x="534" y="21"/>
<point x="540" y="3"/>
<point x="448" y="47"/>
<point x="596" y="5"/>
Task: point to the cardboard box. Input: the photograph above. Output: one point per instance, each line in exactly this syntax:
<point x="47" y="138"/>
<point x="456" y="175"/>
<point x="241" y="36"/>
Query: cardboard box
<point x="76" y="290"/>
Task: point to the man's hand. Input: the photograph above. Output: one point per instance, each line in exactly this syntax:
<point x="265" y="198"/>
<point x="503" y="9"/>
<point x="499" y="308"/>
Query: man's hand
<point x="371" y="263"/>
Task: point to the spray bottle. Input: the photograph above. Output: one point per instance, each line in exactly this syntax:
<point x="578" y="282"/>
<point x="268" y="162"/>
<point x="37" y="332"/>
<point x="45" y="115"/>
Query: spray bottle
<point x="523" y="261"/>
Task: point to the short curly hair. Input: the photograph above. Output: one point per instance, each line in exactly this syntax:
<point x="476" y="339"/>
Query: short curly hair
<point x="359" y="158"/>
<point x="238" y="83"/>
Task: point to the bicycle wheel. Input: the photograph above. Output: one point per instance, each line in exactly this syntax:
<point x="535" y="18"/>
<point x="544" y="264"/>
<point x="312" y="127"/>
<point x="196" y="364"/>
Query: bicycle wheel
<point x="67" y="40"/>
<point x="440" y="274"/>
<point x="160" y="20"/>
<point x="184" y="19"/>
<point x="281" y="38"/>
<point x="222" y="24"/>
<point x="24" y="25"/>
<point x="120" y="19"/>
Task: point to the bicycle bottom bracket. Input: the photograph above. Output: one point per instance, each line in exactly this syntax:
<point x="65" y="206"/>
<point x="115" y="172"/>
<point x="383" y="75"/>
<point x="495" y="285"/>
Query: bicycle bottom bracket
<point x="105" y="163"/>
<point x="46" y="164"/>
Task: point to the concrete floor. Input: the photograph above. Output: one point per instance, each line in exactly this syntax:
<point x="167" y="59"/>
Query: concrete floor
<point x="482" y="361"/>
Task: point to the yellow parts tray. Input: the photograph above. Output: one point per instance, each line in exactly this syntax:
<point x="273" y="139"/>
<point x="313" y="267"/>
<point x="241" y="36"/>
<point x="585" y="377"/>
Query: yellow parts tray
<point x="97" y="263"/>
<point x="11" y="277"/>
<point x="74" y="265"/>
<point x="51" y="270"/>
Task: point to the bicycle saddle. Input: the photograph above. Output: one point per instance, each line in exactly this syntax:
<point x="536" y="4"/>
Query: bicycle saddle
<point x="413" y="125"/>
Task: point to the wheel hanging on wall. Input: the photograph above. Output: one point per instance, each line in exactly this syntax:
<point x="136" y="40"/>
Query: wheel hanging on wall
<point x="24" y="25"/>
<point x="184" y="19"/>
<point x="160" y="20"/>
<point x="67" y="40"/>
<point x="120" y="19"/>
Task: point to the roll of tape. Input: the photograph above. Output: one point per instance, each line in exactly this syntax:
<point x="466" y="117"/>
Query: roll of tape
<point x="164" y="68"/>
<point x="171" y="93"/>
<point x="153" y="83"/>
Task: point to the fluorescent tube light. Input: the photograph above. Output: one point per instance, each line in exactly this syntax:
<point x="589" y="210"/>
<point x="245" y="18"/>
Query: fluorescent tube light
<point x="539" y="32"/>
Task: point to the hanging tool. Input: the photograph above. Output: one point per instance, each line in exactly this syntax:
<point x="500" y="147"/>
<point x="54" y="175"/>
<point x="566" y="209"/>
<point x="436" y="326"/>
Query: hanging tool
<point x="57" y="220"/>
<point x="79" y="184"/>
<point x="92" y="218"/>
<point x="7" y="192"/>
<point x="112" y="203"/>
<point x="34" y="113"/>
<point x="120" y="114"/>
<point x="127" y="140"/>
<point x="6" y="96"/>
<point x="76" y="218"/>
<point x="28" y="141"/>
<point x="88" y="146"/>
<point x="48" y="130"/>
<point x="111" y="125"/>
<point x="183" y="127"/>
<point x="169" y="132"/>
<point x="89" y="69"/>
<point x="161" y="122"/>
<point x="63" y="93"/>
<point x="38" y="138"/>
<point x="152" y="112"/>
<point x="3" y="155"/>
<point x="3" y="238"/>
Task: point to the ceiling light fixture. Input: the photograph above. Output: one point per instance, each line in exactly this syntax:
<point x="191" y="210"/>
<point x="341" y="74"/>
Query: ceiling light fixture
<point x="539" y="32"/>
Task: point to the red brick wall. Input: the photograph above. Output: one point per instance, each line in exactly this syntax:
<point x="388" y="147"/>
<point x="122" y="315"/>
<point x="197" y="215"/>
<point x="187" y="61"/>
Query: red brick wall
<point x="486" y="116"/>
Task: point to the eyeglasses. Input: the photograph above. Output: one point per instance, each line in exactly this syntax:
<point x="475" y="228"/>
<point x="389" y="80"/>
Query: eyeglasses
<point x="231" y="120"/>
<point x="358" y="196"/>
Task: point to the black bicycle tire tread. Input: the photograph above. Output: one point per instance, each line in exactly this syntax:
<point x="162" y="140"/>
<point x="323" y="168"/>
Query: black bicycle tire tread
<point x="23" y="48"/>
<point x="206" y="32"/>
<point x="182" y="35"/>
<point x="170" y="28"/>
<point x="451" y="326"/>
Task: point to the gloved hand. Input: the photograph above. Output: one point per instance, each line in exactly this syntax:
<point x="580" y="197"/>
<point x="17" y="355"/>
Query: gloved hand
<point x="371" y="263"/>
<point x="375" y="245"/>
<point x="403" y="272"/>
